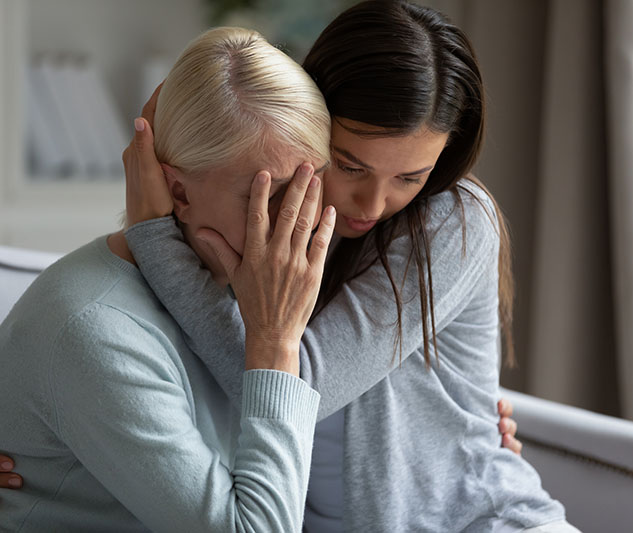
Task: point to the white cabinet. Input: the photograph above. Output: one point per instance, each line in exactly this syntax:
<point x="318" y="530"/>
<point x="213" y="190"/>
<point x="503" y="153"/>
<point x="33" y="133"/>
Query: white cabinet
<point x="121" y="37"/>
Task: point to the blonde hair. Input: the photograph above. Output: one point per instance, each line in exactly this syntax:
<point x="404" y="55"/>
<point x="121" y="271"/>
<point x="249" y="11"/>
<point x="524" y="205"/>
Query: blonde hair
<point x="229" y="93"/>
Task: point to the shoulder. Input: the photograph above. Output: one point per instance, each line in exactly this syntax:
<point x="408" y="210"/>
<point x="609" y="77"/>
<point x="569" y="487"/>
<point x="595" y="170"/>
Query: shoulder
<point x="476" y="200"/>
<point x="105" y="353"/>
<point x="469" y="209"/>
<point x="112" y="340"/>
<point x="112" y="323"/>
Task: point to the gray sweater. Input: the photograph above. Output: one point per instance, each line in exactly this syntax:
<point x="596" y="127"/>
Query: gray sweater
<point x="421" y="447"/>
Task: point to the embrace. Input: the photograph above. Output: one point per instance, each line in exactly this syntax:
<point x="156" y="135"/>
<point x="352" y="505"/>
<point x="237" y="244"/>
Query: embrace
<point x="303" y="244"/>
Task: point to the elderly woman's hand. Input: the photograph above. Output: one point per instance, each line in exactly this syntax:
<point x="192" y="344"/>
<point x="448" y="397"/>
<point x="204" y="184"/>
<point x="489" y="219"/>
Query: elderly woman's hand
<point x="277" y="279"/>
<point x="8" y="479"/>
<point x="146" y="192"/>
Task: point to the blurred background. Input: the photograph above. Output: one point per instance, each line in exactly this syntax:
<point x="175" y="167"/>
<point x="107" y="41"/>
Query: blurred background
<point x="559" y="78"/>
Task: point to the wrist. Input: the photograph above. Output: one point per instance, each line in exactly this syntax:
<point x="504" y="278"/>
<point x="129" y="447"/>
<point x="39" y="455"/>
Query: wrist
<point x="272" y="354"/>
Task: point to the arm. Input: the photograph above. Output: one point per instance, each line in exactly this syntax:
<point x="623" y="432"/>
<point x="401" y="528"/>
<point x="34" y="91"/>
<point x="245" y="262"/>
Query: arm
<point x="349" y="346"/>
<point x="127" y="416"/>
<point x="147" y="198"/>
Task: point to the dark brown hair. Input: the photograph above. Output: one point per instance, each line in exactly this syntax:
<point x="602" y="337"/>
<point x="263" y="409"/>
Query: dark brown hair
<point x="398" y="66"/>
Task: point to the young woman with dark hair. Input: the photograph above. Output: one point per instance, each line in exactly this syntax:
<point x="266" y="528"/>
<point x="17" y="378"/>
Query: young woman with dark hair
<point x="404" y="343"/>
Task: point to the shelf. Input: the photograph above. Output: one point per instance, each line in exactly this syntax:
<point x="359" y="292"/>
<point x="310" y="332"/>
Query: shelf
<point x="67" y="192"/>
<point x="61" y="214"/>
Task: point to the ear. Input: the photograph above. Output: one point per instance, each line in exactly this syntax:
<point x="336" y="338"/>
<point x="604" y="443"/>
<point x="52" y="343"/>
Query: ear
<point x="177" y="185"/>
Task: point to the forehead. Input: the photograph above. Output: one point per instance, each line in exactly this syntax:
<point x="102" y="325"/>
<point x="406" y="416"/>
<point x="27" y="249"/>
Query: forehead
<point x="406" y="152"/>
<point x="279" y="159"/>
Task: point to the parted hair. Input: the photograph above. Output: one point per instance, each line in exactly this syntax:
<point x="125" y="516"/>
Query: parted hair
<point x="228" y="94"/>
<point x="397" y="66"/>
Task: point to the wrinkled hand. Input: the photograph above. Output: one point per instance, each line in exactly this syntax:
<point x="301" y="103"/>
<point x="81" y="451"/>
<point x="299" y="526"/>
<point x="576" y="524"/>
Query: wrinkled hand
<point x="508" y="427"/>
<point x="8" y="479"/>
<point x="277" y="280"/>
<point x="146" y="192"/>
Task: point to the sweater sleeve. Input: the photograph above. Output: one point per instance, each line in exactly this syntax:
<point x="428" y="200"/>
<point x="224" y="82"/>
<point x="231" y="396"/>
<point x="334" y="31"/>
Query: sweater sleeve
<point x="350" y="345"/>
<point x="125" y="411"/>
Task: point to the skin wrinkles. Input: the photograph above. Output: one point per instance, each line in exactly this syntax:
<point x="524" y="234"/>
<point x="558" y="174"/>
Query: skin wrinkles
<point x="218" y="198"/>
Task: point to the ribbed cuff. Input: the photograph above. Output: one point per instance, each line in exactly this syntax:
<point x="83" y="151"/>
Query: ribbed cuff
<point x="149" y="230"/>
<point x="276" y="394"/>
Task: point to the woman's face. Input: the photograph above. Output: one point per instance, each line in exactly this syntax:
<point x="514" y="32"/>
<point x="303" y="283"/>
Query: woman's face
<point x="372" y="178"/>
<point x="219" y="198"/>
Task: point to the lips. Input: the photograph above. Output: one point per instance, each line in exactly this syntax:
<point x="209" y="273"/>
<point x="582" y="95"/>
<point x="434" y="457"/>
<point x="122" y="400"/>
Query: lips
<point x="360" y="224"/>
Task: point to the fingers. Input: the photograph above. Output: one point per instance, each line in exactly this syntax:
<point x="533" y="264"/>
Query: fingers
<point x="291" y="204"/>
<point x="258" y="222"/>
<point x="6" y="463"/>
<point x="322" y="238"/>
<point x="149" y="109"/>
<point x="307" y="213"/>
<point x="10" y="481"/>
<point x="508" y="425"/>
<point x="508" y="428"/>
<point x="144" y="143"/>
<point x="504" y="407"/>
<point x="147" y="195"/>
<point x="216" y="245"/>
<point x="512" y="444"/>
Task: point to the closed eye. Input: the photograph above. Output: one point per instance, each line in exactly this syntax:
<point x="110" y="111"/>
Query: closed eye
<point x="347" y="168"/>
<point x="410" y="181"/>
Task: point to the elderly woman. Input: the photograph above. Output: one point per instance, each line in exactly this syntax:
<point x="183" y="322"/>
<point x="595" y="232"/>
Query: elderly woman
<point x="114" y="423"/>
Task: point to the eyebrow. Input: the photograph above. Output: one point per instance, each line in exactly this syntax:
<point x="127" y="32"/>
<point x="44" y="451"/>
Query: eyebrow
<point x="355" y="159"/>
<point x="276" y="181"/>
<point x="352" y="157"/>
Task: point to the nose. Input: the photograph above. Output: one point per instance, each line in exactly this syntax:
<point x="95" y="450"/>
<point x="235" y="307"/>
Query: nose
<point x="371" y="199"/>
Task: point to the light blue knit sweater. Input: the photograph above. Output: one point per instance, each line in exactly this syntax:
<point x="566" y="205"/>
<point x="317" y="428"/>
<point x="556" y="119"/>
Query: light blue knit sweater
<point x="421" y="447"/>
<point x="116" y="426"/>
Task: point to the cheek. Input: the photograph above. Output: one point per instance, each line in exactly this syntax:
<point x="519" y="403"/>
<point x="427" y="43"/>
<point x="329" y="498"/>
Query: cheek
<point x="397" y="202"/>
<point x="228" y="218"/>
<point x="234" y="226"/>
<point x="334" y="191"/>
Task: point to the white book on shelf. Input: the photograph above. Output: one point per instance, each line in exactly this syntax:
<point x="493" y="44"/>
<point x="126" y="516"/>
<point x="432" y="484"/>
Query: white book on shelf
<point x="49" y="147"/>
<point x="51" y="74"/>
<point x="114" y="135"/>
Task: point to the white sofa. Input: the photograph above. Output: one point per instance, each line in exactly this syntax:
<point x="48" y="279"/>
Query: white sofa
<point x="585" y="459"/>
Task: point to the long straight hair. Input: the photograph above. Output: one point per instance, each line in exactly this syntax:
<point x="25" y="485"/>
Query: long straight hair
<point x="398" y="66"/>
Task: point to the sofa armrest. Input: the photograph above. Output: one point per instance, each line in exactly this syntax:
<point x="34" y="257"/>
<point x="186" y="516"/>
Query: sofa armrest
<point x="601" y="437"/>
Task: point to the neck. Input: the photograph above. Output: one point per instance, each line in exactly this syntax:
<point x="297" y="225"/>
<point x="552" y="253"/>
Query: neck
<point x="118" y="246"/>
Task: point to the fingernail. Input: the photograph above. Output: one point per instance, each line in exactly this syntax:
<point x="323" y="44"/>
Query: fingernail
<point x="15" y="482"/>
<point x="314" y="182"/>
<point x="503" y="426"/>
<point x="329" y="210"/>
<point x="6" y="466"/>
<point x="262" y="177"/>
<point x="306" y="168"/>
<point x="139" y="124"/>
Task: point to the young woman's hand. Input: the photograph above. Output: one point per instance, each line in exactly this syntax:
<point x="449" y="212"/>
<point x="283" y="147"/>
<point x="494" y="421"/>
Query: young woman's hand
<point x="8" y="479"/>
<point x="277" y="280"/>
<point x="508" y="427"/>
<point x="146" y="192"/>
